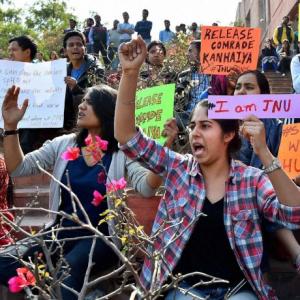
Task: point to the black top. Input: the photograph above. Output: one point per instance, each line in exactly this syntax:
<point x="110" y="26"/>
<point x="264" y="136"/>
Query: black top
<point x="208" y="249"/>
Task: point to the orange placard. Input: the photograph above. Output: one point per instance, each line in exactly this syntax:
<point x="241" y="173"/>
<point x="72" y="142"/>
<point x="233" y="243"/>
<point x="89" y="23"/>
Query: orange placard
<point x="289" y="150"/>
<point x="224" y="48"/>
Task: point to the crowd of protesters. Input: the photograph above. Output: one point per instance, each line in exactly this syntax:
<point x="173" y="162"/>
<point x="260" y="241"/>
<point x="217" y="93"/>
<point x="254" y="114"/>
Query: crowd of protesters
<point x="85" y="70"/>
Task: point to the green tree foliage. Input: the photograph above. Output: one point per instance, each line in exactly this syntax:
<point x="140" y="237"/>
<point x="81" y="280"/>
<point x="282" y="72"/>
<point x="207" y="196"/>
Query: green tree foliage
<point x="48" y="15"/>
<point x="10" y="25"/>
<point x="44" y="20"/>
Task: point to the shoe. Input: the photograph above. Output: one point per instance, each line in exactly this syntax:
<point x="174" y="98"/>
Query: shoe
<point x="283" y="74"/>
<point x="277" y="72"/>
<point x="262" y="71"/>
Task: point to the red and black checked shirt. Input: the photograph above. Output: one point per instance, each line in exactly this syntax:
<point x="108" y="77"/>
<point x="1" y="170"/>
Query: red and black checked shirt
<point x="249" y="197"/>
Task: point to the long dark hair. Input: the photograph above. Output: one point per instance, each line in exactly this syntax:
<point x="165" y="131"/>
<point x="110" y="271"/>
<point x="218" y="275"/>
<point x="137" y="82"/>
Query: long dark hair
<point x="103" y="100"/>
<point x="261" y="79"/>
<point x="227" y="126"/>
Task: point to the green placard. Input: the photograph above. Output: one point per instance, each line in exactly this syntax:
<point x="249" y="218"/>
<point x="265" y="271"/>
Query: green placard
<point x="154" y="106"/>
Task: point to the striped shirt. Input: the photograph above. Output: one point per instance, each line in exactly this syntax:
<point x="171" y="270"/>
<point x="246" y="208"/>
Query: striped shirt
<point x="249" y="195"/>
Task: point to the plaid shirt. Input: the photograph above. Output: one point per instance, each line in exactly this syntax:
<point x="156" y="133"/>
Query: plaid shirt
<point x="249" y="195"/>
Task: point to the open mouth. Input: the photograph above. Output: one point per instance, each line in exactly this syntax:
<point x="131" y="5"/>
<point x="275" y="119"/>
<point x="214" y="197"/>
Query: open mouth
<point x="198" y="148"/>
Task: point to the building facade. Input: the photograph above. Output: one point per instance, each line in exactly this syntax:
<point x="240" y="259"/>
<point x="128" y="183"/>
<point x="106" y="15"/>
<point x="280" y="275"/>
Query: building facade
<point x="266" y="14"/>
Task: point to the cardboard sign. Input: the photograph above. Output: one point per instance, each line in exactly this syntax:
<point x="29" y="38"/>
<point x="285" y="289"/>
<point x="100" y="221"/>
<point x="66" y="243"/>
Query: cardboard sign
<point x="224" y="48"/>
<point x="43" y="84"/>
<point x="154" y="106"/>
<point x="289" y="150"/>
<point x="262" y="106"/>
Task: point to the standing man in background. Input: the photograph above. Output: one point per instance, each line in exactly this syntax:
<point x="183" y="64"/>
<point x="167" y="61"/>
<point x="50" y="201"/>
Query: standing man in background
<point x="143" y="28"/>
<point x="98" y="38"/>
<point x="125" y="29"/>
<point x="113" y="45"/>
<point x="166" y="35"/>
<point x="89" y="24"/>
<point x="72" y="26"/>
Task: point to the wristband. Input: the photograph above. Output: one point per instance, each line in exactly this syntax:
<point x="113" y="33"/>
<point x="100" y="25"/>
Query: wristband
<point x="5" y="133"/>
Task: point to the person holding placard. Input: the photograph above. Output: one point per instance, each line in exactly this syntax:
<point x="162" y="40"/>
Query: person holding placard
<point x="233" y="196"/>
<point x="83" y="71"/>
<point x="251" y="83"/>
<point x="24" y="49"/>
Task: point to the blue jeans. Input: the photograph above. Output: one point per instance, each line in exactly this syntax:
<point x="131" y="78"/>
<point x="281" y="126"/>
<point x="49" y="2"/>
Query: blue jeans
<point x="206" y="293"/>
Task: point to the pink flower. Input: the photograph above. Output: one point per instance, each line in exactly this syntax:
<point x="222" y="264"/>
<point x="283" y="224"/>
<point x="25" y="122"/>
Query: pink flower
<point x="98" y="198"/>
<point x="116" y="185"/>
<point x="24" y="278"/>
<point x="89" y="140"/>
<point x="94" y="151"/>
<point x="15" y="284"/>
<point x="102" y="144"/>
<point x="71" y="153"/>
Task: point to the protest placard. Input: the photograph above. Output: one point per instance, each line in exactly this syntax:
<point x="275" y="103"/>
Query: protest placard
<point x="154" y="106"/>
<point x="262" y="106"/>
<point x="224" y="48"/>
<point x="289" y="150"/>
<point x="41" y="83"/>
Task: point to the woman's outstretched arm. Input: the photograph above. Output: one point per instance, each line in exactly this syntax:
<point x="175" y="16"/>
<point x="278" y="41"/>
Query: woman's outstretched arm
<point x="12" y="114"/>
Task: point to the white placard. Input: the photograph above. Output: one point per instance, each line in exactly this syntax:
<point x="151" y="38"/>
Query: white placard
<point x="43" y="84"/>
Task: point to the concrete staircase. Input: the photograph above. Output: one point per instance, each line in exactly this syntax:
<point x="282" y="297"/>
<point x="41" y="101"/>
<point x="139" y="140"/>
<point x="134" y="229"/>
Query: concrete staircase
<point x="279" y="84"/>
<point x="32" y="191"/>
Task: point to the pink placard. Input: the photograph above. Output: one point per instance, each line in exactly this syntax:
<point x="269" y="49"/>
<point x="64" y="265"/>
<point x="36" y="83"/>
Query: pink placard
<point x="262" y="106"/>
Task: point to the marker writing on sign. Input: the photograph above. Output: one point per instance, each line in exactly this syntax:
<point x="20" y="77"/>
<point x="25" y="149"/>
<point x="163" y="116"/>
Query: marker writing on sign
<point x="269" y="105"/>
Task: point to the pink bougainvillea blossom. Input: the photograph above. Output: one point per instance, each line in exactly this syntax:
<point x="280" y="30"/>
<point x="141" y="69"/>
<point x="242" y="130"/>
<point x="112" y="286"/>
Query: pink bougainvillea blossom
<point x="98" y="198"/>
<point x="71" y="153"/>
<point x="116" y="185"/>
<point x="24" y="278"/>
<point x="97" y="141"/>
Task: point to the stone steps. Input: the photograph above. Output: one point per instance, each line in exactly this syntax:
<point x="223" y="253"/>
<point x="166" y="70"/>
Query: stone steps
<point x="279" y="84"/>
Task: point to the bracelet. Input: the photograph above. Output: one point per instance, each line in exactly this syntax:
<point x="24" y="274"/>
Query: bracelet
<point x="5" y="133"/>
<point x="273" y="166"/>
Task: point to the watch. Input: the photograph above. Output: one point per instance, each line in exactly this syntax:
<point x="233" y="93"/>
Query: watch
<point x="5" y="133"/>
<point x="273" y="166"/>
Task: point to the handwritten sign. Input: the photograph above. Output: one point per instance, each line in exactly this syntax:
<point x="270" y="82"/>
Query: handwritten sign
<point x="41" y="83"/>
<point x="262" y="106"/>
<point x="154" y="106"/>
<point x="224" y="48"/>
<point x="289" y="150"/>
